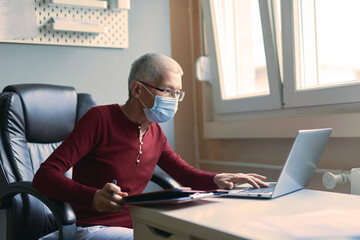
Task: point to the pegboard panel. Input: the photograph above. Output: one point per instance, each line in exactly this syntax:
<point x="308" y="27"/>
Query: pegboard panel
<point x="115" y="21"/>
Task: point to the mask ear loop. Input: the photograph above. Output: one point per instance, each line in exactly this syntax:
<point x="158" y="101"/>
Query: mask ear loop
<point x="149" y="92"/>
<point x="143" y="104"/>
<point x="147" y="89"/>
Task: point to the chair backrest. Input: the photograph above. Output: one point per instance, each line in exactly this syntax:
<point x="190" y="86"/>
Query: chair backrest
<point x="35" y="119"/>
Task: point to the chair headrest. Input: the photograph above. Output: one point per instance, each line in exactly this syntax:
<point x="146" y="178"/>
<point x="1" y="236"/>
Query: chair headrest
<point x="49" y="111"/>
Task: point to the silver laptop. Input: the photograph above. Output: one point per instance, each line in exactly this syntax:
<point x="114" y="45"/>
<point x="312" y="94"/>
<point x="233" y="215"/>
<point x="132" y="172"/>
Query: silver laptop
<point x="299" y="167"/>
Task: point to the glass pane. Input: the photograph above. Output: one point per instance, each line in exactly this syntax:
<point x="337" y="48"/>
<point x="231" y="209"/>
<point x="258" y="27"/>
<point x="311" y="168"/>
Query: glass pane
<point x="240" y="45"/>
<point x="329" y="47"/>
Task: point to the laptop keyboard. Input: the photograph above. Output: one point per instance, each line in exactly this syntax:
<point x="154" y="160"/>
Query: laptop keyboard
<point x="261" y="190"/>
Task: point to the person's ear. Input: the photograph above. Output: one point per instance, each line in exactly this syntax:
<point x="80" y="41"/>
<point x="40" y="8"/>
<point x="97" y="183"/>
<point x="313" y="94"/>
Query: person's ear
<point x="135" y="89"/>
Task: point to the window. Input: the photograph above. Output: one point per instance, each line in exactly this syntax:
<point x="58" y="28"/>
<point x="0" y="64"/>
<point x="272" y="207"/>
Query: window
<point x="321" y="63"/>
<point x="323" y="52"/>
<point x="317" y="45"/>
<point x="241" y="49"/>
<point x="249" y="79"/>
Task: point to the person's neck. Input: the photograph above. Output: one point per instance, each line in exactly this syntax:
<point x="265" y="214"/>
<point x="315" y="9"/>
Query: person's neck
<point x="135" y="113"/>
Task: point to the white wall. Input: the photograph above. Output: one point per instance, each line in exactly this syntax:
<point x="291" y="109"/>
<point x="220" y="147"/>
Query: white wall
<point x="99" y="71"/>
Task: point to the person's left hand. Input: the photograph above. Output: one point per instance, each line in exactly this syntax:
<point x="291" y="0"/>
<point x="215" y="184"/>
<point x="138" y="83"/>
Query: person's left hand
<point x="228" y="180"/>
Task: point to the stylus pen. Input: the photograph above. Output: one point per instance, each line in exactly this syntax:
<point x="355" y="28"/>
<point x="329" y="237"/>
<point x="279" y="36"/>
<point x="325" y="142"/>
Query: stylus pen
<point x="114" y="182"/>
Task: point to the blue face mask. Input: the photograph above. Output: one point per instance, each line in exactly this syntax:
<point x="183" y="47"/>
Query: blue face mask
<point x="163" y="110"/>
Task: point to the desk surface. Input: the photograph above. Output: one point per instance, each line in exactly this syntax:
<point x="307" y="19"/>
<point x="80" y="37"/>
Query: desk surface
<point x="229" y="218"/>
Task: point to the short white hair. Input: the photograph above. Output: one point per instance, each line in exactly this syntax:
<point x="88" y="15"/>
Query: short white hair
<point x="150" y="67"/>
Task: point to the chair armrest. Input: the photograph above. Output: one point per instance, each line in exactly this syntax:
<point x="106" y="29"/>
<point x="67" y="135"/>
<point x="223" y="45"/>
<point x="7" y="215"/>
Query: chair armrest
<point x="64" y="215"/>
<point x="161" y="178"/>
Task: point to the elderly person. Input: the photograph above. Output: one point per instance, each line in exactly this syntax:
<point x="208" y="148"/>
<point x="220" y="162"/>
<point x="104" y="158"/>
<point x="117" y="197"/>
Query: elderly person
<point x="124" y="143"/>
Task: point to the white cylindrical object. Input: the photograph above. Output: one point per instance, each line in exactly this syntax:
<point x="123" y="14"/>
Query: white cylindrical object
<point x="330" y="180"/>
<point x="355" y="181"/>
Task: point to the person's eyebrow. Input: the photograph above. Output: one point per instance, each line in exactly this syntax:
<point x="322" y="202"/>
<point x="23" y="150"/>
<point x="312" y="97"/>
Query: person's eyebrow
<point x="171" y="87"/>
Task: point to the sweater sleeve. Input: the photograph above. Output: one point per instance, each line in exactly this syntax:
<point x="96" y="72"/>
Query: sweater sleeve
<point x="50" y="180"/>
<point x="182" y="172"/>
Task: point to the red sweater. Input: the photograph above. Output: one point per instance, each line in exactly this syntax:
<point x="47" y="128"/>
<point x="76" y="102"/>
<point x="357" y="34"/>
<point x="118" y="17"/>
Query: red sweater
<point x="103" y="146"/>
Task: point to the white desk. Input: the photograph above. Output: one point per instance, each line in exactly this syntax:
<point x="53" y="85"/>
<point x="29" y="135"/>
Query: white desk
<point x="228" y="218"/>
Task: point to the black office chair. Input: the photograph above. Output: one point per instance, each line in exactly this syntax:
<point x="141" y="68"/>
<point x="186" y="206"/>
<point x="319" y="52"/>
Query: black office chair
<point x="34" y="120"/>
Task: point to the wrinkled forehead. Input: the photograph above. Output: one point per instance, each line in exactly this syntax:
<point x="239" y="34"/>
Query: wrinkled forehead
<point x="171" y="80"/>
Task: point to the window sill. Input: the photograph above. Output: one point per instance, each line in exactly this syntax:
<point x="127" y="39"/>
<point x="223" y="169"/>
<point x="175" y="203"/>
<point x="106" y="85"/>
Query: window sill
<point x="343" y="124"/>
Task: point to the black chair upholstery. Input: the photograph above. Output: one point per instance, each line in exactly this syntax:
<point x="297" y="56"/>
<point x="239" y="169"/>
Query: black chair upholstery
<point x="34" y="120"/>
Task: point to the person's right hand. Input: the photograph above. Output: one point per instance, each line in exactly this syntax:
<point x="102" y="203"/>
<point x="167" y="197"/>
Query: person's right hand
<point x="104" y="201"/>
